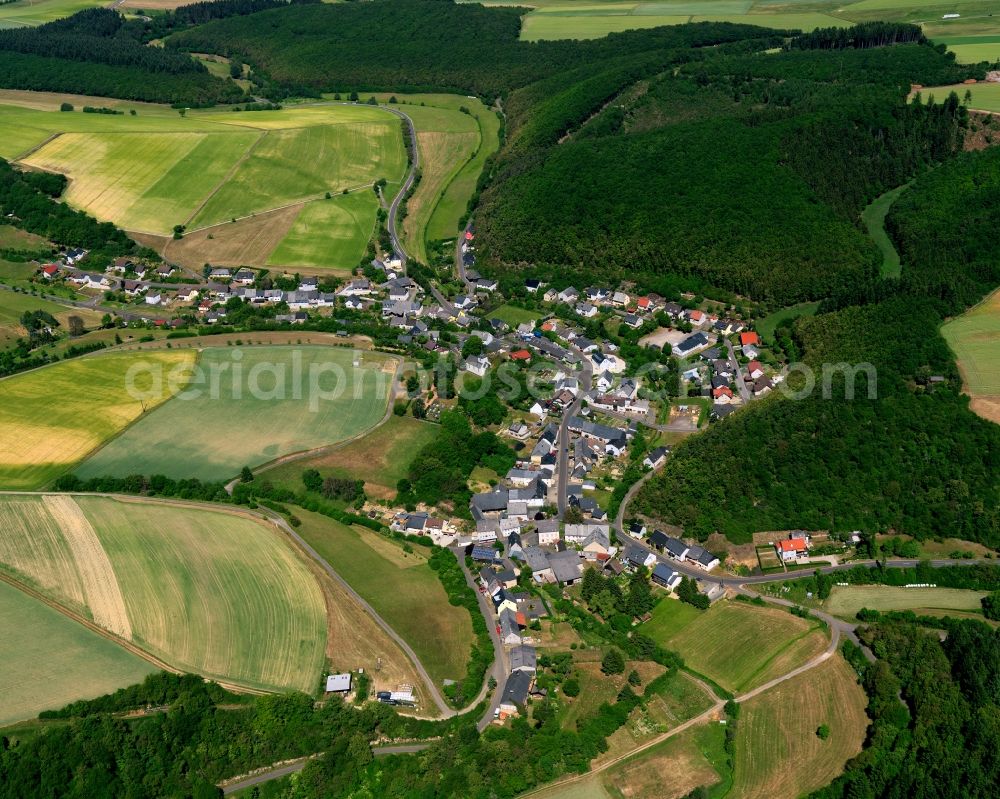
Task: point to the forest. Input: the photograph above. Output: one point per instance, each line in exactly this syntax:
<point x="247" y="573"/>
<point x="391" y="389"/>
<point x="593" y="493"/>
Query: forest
<point x="30" y="200"/>
<point x="915" y="459"/>
<point x="935" y="713"/>
<point x="95" y="52"/>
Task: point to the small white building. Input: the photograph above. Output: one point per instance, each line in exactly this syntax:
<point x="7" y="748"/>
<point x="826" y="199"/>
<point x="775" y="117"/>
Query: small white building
<point x="338" y="683"/>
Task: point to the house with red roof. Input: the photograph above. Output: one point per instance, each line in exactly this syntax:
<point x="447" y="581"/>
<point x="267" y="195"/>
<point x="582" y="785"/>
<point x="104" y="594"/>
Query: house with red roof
<point x="696" y="317"/>
<point x="49" y="271"/>
<point x="520" y="355"/>
<point x="749" y="337"/>
<point x="754" y="370"/>
<point x="723" y="395"/>
<point x="644" y="304"/>
<point x="792" y="548"/>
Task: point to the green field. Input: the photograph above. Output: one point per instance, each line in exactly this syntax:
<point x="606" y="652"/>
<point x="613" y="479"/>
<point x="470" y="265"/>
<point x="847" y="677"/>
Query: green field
<point x="213" y="592"/>
<point x="330" y="234"/>
<point x="513" y="315"/>
<point x="874" y="218"/>
<point x="416" y="606"/>
<point x="381" y="458"/>
<point x="155" y="170"/>
<point x="846" y="601"/>
<point x="151" y="193"/>
<point x="289" y="165"/>
<point x="740" y="646"/>
<point x="669" y="618"/>
<point x="261" y="406"/>
<point x="766" y="326"/>
<point x="974" y="337"/>
<point x="51" y="418"/>
<point x="50" y="660"/>
<point x="25" y="13"/>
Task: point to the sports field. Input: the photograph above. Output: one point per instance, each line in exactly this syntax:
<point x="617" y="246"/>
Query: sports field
<point x="332" y="234"/>
<point x="974" y="337"/>
<point x="49" y="660"/>
<point x="741" y="646"/>
<point x="208" y="591"/>
<point x="250" y="405"/>
<point x="846" y="601"/>
<point x="381" y="458"/>
<point x="778" y="753"/>
<point x="51" y="418"/>
<point x="417" y="606"/>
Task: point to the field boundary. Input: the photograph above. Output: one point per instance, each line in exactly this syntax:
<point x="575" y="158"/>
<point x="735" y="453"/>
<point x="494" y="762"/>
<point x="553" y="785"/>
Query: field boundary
<point x="226" y="178"/>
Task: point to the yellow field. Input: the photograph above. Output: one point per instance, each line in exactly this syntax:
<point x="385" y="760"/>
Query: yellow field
<point x="206" y="591"/>
<point x="778" y="754"/>
<point x="175" y="172"/>
<point x="51" y="418"/>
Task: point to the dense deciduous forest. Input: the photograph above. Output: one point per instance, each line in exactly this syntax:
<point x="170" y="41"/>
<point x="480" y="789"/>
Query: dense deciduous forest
<point x="915" y="459"/>
<point x="96" y="52"/>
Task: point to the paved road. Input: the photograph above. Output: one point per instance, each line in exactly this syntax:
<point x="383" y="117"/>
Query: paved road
<point x="397" y="245"/>
<point x="459" y="262"/>
<point x="585" y="375"/>
<point x="740" y="382"/>
<point x="266" y="776"/>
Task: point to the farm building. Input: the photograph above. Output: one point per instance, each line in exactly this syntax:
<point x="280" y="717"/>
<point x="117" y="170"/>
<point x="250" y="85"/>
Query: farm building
<point x="338" y="683"/>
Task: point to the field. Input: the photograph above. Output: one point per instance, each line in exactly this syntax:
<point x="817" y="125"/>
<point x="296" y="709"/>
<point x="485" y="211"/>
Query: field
<point x="213" y="592"/>
<point x="12" y="306"/>
<point x="331" y="234"/>
<point x="740" y="646"/>
<point x="513" y="315"/>
<point x="669" y="618"/>
<point x="380" y="458"/>
<point x="846" y="601"/>
<point x="25" y="13"/>
<point x="152" y="171"/>
<point x="254" y="405"/>
<point x="417" y="607"/>
<point x="974" y="37"/>
<point x="50" y="661"/>
<point x="778" y="753"/>
<point x="974" y="337"/>
<point x="51" y="418"/>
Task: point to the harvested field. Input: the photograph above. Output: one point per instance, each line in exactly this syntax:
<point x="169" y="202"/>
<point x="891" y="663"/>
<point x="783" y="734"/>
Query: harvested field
<point x="245" y="242"/>
<point x="846" y="601"/>
<point x="101" y="591"/>
<point x="778" y="753"/>
<point x="328" y="234"/>
<point x="974" y="337"/>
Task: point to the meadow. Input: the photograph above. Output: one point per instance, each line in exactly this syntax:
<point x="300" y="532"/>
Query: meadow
<point x="766" y="326"/>
<point x="329" y="234"/>
<point x="874" y="218"/>
<point x="777" y="750"/>
<point x="229" y="424"/>
<point x="13" y="306"/>
<point x="49" y="660"/>
<point x="974" y="337"/>
<point x="417" y="606"/>
<point x="381" y="458"/>
<point x="513" y="315"/>
<point x="213" y="592"/>
<point x="846" y="601"/>
<point x="29" y="13"/>
<point x="740" y="646"/>
<point x="51" y="418"/>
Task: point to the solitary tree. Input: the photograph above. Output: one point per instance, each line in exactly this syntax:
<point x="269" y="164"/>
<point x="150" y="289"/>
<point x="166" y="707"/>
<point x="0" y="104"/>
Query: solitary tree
<point x="246" y="476"/>
<point x="613" y="662"/>
<point x="823" y="732"/>
<point x="75" y="324"/>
